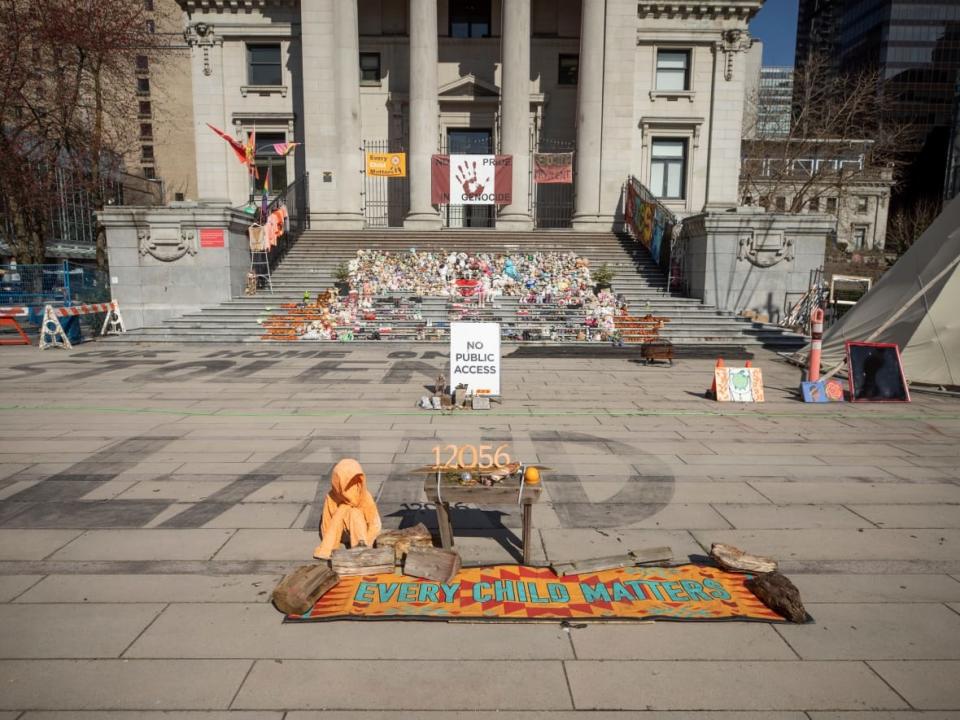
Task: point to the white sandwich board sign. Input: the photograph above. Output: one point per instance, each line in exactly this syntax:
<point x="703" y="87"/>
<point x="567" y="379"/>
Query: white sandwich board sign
<point x="475" y="357"/>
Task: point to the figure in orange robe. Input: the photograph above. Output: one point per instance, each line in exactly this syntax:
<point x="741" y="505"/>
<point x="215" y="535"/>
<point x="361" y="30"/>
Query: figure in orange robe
<point x="349" y="507"/>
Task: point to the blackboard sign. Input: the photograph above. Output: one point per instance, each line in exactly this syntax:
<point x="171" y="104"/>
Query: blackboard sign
<point x="876" y="374"/>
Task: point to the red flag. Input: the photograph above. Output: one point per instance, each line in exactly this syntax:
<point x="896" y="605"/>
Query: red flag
<point x="237" y="148"/>
<point x="439" y="179"/>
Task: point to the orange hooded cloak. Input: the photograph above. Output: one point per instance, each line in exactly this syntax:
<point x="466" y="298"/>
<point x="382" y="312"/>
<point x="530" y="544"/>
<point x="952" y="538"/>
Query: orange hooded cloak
<point x="348" y="507"/>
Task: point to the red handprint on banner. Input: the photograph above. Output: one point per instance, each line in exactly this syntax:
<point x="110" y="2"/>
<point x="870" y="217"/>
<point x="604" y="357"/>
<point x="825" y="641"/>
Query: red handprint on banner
<point x="467" y="177"/>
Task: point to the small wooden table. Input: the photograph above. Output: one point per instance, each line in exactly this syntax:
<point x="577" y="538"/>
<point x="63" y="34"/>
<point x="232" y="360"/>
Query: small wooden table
<point x="500" y="494"/>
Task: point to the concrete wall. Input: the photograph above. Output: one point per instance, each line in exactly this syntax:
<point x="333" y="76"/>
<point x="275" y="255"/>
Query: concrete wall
<point x="753" y="260"/>
<point x="158" y="268"/>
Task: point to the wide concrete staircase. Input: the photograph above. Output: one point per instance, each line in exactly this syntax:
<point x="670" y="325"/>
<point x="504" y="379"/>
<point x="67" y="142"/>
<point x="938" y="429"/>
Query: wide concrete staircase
<point x="311" y="262"/>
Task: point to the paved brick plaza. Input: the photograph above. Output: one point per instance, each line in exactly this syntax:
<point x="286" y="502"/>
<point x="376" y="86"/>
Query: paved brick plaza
<point x="151" y="497"/>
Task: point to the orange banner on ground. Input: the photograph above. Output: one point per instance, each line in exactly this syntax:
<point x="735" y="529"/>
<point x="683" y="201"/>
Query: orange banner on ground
<point x="512" y="592"/>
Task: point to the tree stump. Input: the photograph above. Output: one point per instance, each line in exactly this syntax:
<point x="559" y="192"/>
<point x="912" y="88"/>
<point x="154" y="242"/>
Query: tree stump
<point x="299" y="590"/>
<point x="732" y="558"/>
<point x="779" y="594"/>
<point x="402" y="540"/>
<point x="362" y="561"/>
<point x="432" y="564"/>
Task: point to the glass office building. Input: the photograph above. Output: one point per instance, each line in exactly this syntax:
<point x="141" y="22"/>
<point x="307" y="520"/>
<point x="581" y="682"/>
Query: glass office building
<point x="916" y="46"/>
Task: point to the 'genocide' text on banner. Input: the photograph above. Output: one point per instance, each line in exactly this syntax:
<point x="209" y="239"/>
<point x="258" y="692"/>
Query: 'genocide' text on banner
<point x="387" y="164"/>
<point x="552" y="168"/>
<point x="475" y="357"/>
<point x="471" y="180"/>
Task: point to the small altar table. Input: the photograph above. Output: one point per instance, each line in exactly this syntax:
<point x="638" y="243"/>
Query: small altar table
<point x="504" y="493"/>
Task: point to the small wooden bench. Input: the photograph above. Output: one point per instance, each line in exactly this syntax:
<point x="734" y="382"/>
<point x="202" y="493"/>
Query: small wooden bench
<point x="502" y="493"/>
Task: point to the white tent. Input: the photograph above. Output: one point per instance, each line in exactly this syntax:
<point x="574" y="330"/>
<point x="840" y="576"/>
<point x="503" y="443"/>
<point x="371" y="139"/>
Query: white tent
<point x="916" y="304"/>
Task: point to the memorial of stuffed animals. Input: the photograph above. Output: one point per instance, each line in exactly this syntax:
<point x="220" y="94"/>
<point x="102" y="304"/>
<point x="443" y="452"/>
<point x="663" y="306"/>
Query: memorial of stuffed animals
<point x="534" y="296"/>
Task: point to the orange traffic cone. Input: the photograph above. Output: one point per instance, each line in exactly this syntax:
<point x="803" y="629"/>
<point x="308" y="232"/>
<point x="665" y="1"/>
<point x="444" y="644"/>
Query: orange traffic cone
<point x="712" y="392"/>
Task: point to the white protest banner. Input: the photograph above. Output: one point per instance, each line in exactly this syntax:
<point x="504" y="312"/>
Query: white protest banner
<point x="475" y="357"/>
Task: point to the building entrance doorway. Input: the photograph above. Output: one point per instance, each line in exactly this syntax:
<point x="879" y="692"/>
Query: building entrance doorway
<point x="469" y="141"/>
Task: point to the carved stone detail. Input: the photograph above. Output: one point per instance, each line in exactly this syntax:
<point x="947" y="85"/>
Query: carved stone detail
<point x="731" y="43"/>
<point x="766" y="250"/>
<point x="201" y="35"/>
<point x="167" y="243"/>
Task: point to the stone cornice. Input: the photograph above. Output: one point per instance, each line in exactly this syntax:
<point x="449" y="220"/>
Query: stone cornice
<point x="232" y="6"/>
<point x="707" y="9"/>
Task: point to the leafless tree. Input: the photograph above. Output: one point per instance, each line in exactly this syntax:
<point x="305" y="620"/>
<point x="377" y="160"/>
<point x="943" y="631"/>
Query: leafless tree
<point x="909" y="222"/>
<point x="67" y="101"/>
<point x="840" y="134"/>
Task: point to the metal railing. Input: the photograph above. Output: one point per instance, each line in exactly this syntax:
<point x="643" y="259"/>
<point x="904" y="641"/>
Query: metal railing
<point x="72" y="223"/>
<point x="655" y="227"/>
<point x="386" y="200"/>
<point x="551" y="204"/>
<point x="296" y="198"/>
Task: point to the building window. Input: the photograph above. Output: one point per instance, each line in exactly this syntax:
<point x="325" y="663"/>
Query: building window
<point x="831" y="205"/>
<point x="814" y="204"/>
<point x="148" y="5"/>
<point x="668" y="161"/>
<point x="143" y="85"/>
<point x="859" y="236"/>
<point x="780" y="203"/>
<point x="150" y="173"/>
<point x="146" y="153"/>
<point x="145" y="108"/>
<point x="178" y="197"/>
<point x="143" y="63"/>
<point x="263" y="65"/>
<point x="568" y="69"/>
<point x="269" y="163"/>
<point x="863" y="204"/>
<point x="673" y="70"/>
<point x="469" y="18"/>
<point x="146" y="131"/>
<point x="151" y="26"/>
<point x="369" y="68"/>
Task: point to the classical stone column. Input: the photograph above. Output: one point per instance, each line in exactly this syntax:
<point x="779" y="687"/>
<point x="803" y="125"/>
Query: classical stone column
<point x="515" y="112"/>
<point x="586" y="209"/>
<point x="350" y="182"/>
<point x="214" y="157"/>
<point x="424" y="113"/>
<point x="318" y="114"/>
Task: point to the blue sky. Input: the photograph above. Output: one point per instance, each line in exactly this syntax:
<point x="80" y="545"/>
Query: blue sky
<point x="776" y="26"/>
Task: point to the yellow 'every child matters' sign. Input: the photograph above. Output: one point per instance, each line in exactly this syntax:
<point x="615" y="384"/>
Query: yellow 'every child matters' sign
<point x="387" y="164"/>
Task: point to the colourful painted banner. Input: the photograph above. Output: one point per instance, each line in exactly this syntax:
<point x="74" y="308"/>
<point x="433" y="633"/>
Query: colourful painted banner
<point x="387" y="164"/>
<point x="551" y="168"/>
<point x="512" y="592"/>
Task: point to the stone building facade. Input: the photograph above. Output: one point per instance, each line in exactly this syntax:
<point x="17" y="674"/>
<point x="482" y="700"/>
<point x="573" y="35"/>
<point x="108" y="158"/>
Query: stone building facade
<point x="646" y="89"/>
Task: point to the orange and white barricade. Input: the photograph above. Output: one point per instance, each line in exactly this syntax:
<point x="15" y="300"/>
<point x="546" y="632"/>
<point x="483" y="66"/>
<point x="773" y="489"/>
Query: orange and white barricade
<point x="51" y="331"/>
<point x="8" y="317"/>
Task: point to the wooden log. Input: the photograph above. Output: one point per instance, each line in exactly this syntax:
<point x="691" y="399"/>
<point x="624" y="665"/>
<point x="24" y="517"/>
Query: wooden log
<point x="299" y="590"/>
<point x="432" y="564"/>
<point x="362" y="561"/>
<point x="402" y="540"/>
<point x="732" y="558"/>
<point x="612" y="562"/>
<point x="779" y="594"/>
